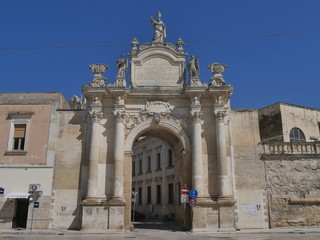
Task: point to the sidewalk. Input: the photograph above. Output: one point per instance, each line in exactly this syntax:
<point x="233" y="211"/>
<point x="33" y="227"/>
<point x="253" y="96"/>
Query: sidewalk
<point x="159" y="229"/>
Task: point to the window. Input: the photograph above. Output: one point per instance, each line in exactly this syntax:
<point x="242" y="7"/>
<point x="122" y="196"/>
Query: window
<point x="170" y="158"/>
<point x="149" y="164"/>
<point x="133" y="168"/>
<point x="18" y="136"/>
<point x="140" y="196"/>
<point x="158" y="194"/>
<point x="149" y="195"/>
<point x="158" y="161"/>
<point x="178" y="190"/>
<point x="170" y="193"/>
<point x="140" y="166"/>
<point x="296" y="135"/>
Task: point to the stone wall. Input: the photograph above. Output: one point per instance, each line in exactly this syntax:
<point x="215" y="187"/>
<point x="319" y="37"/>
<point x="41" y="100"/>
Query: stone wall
<point x="69" y="175"/>
<point x="251" y="205"/>
<point x="294" y="192"/>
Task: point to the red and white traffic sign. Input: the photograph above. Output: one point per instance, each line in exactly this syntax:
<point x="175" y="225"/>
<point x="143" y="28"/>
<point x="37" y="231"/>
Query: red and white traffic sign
<point x="185" y="190"/>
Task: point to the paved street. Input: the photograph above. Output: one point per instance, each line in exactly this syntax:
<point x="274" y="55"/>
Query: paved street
<point x="164" y="231"/>
<point x="169" y="235"/>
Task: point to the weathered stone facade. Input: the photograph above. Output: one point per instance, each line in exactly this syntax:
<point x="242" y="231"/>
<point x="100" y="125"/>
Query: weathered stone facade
<point x="293" y="187"/>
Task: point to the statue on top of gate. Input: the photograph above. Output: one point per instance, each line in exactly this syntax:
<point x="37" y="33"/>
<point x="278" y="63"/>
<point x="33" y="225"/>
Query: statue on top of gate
<point x="159" y="29"/>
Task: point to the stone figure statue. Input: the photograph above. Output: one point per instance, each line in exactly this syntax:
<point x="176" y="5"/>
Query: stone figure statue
<point x="78" y="103"/>
<point x="159" y="29"/>
<point x="193" y="67"/>
<point x="122" y="65"/>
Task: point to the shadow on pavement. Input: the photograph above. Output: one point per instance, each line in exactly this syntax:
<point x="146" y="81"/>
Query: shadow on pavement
<point x="167" y="226"/>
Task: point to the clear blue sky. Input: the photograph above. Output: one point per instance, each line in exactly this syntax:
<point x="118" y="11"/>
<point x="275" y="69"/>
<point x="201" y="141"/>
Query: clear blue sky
<point x="262" y="70"/>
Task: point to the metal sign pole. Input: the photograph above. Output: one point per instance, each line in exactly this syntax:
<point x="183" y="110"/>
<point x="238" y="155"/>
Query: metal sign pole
<point x="32" y="211"/>
<point x="134" y="207"/>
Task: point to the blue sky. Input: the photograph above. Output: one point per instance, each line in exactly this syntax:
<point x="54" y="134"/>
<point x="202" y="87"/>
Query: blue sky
<point x="262" y="70"/>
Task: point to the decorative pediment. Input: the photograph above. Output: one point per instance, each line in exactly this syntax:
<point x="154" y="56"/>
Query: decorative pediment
<point x="157" y="66"/>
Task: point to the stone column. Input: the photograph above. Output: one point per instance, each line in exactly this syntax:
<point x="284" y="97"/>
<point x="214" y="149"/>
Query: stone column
<point x="197" y="164"/>
<point x="96" y="116"/>
<point x="222" y="153"/>
<point x="118" y="156"/>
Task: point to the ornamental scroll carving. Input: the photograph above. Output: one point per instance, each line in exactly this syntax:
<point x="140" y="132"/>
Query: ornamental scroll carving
<point x="154" y="111"/>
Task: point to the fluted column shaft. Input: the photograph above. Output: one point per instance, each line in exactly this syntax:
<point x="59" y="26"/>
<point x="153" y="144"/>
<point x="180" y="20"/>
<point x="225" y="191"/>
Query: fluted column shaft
<point x="222" y="155"/>
<point x="197" y="165"/>
<point x="118" y="158"/>
<point x="93" y="161"/>
<point x="96" y="116"/>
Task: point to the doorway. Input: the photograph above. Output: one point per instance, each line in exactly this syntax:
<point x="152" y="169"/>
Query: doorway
<point x="21" y="213"/>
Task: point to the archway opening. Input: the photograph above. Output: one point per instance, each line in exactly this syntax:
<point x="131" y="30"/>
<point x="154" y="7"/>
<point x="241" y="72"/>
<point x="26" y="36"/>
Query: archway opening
<point x="160" y="167"/>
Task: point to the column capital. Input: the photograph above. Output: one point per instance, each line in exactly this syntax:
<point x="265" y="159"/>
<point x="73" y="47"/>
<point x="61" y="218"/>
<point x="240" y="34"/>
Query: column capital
<point x="220" y="114"/>
<point x="96" y="116"/>
<point x="196" y="115"/>
<point x="120" y="115"/>
<point x="96" y="110"/>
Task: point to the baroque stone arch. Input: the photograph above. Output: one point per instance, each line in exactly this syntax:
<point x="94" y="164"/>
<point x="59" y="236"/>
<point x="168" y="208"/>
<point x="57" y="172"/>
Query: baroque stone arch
<point x="172" y="133"/>
<point x="166" y="125"/>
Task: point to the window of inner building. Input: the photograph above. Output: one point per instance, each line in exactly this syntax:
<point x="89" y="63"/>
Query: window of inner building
<point x="133" y="168"/>
<point x="158" y="161"/>
<point x="18" y="136"/>
<point x="170" y="158"/>
<point x="178" y="189"/>
<point x="149" y="195"/>
<point x="140" y="196"/>
<point x="149" y="163"/>
<point x="140" y="166"/>
<point x="158" y="194"/>
<point x="296" y="135"/>
<point x="170" y="193"/>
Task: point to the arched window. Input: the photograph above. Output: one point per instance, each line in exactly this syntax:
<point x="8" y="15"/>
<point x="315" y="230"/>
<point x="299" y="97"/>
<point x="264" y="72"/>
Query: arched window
<point x="296" y="135"/>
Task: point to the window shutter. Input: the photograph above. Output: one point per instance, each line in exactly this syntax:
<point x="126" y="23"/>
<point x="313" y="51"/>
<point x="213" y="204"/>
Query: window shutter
<point x="19" y="130"/>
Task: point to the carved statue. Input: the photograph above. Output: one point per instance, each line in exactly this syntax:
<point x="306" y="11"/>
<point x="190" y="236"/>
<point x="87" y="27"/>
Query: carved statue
<point x="96" y="103"/>
<point x="159" y="29"/>
<point x="77" y="103"/>
<point x="122" y="65"/>
<point x="193" y="67"/>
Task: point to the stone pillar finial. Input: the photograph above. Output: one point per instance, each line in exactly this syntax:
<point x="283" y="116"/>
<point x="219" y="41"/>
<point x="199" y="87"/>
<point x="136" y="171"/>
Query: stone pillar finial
<point x="98" y="70"/>
<point x="217" y="69"/>
<point x="134" y="44"/>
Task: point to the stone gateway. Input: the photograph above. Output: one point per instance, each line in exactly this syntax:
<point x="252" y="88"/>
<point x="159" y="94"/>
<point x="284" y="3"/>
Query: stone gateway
<point x="153" y="133"/>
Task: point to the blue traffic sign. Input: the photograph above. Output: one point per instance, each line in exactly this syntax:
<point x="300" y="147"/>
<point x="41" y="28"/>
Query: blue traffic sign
<point x="193" y="193"/>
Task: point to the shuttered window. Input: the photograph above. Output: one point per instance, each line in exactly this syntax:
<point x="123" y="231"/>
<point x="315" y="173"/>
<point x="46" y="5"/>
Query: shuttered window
<point x="19" y="136"/>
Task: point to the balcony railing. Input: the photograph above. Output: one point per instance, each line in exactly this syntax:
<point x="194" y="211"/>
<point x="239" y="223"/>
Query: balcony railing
<point x="290" y="148"/>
